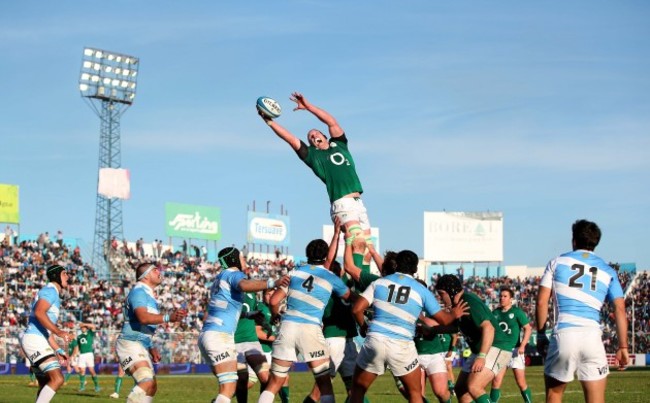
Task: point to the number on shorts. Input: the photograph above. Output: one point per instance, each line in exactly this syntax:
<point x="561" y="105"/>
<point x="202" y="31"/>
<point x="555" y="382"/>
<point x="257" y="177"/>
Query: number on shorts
<point x="573" y="280"/>
<point x="308" y="284"/>
<point x="402" y="295"/>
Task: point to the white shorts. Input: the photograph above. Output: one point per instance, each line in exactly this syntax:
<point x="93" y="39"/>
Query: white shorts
<point x="343" y="356"/>
<point x="380" y="351"/>
<point x="86" y="360"/>
<point x="433" y="363"/>
<point x="518" y="361"/>
<point x="576" y="349"/>
<point x="452" y="356"/>
<point x="246" y="349"/>
<point x="74" y="361"/>
<point x="350" y="209"/>
<point x="300" y="338"/>
<point x="495" y="360"/>
<point x="36" y="348"/>
<point x="130" y="352"/>
<point x="217" y="347"/>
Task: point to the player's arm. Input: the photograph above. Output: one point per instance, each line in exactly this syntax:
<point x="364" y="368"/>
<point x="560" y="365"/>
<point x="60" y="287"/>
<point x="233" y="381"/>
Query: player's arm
<point x="334" y="243"/>
<point x="89" y="326"/>
<point x="541" y="311"/>
<point x="348" y="263"/>
<point x="40" y="312"/>
<point x="487" y="337"/>
<point x="149" y="318"/>
<point x="379" y="260"/>
<point x="276" y="301"/>
<point x="261" y="285"/>
<point x="358" y="309"/>
<point x="622" y="354"/>
<point x="293" y="141"/>
<point x="322" y="115"/>
<point x="528" y="330"/>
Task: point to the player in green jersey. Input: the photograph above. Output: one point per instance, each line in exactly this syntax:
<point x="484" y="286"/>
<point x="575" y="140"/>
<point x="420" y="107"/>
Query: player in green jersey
<point x="513" y="321"/>
<point x="491" y="350"/>
<point x="249" y="350"/>
<point x="85" y="341"/>
<point x="332" y="163"/>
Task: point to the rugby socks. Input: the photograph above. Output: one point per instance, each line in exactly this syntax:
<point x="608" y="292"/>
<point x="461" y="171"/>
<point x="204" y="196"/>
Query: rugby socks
<point x="527" y="395"/>
<point x="82" y="381"/>
<point x="284" y="394"/>
<point x="66" y="377"/>
<point x="46" y="394"/>
<point x="266" y="397"/>
<point x="118" y="384"/>
<point x="96" y="382"/>
<point x="495" y="394"/>
<point x="484" y="398"/>
<point x="222" y="399"/>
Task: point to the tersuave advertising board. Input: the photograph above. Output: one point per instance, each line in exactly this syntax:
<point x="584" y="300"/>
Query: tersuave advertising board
<point x="189" y="221"/>
<point x="268" y="229"/>
<point x="9" y="208"/>
<point x="463" y="236"/>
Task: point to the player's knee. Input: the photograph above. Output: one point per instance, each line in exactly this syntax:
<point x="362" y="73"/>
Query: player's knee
<point x="321" y="369"/>
<point x="279" y="371"/>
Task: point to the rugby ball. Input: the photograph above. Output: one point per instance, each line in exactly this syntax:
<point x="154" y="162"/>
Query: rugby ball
<point x="269" y="107"/>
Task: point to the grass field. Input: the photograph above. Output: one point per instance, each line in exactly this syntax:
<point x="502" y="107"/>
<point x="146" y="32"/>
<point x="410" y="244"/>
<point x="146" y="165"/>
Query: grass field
<point x="628" y="386"/>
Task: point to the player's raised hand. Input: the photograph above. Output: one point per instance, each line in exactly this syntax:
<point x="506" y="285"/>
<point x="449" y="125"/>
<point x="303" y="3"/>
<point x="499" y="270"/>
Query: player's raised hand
<point x="264" y="117"/>
<point x="299" y="99"/>
<point x="461" y="309"/>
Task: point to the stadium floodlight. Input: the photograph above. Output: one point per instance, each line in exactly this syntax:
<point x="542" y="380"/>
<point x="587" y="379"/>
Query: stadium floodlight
<point x="107" y="83"/>
<point x="112" y="68"/>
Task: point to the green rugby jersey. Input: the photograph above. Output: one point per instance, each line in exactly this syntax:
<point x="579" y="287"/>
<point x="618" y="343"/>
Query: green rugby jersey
<point x="85" y="342"/>
<point x="245" y="330"/>
<point x="470" y="325"/>
<point x="511" y="322"/>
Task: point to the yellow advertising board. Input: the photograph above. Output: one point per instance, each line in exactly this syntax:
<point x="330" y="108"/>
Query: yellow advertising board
<point x="9" y="208"/>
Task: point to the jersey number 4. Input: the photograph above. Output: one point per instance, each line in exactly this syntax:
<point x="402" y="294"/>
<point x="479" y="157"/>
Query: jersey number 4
<point x="401" y="296"/>
<point x="573" y="280"/>
<point x="308" y="284"/>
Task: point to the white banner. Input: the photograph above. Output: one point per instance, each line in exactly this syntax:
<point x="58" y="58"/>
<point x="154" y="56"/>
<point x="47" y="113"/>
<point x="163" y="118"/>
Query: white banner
<point x="114" y="183"/>
<point x="463" y="237"/>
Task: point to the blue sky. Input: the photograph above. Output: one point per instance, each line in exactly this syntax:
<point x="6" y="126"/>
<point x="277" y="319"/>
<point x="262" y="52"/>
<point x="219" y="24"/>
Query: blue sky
<point x="540" y="110"/>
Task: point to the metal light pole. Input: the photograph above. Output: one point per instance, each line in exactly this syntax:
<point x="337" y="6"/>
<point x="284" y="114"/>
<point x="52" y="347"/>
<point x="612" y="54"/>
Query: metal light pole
<point x="107" y="83"/>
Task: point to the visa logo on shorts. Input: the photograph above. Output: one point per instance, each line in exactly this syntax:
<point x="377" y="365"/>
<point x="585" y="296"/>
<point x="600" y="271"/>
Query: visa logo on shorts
<point x="221" y="356"/>
<point x="126" y="362"/>
<point x="603" y="370"/>
<point x="317" y="354"/>
<point x="412" y="365"/>
<point x="34" y="356"/>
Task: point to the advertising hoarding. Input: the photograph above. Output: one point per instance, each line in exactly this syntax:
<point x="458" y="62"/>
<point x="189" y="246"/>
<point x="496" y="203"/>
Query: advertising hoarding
<point x="268" y="229"/>
<point x="190" y="221"/>
<point x="9" y="206"/>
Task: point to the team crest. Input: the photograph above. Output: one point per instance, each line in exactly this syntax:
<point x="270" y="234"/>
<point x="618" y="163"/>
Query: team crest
<point x="512" y="315"/>
<point x="585" y="255"/>
<point x="332" y="144"/>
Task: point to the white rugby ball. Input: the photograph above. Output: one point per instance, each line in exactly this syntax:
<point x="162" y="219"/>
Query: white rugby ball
<point x="269" y="106"/>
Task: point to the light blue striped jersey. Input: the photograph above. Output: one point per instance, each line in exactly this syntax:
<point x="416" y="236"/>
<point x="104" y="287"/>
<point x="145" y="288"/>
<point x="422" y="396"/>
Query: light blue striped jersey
<point x="582" y="282"/>
<point x="226" y="300"/>
<point x="398" y="300"/>
<point x="309" y="291"/>
<point x="50" y="294"/>
<point x="140" y="296"/>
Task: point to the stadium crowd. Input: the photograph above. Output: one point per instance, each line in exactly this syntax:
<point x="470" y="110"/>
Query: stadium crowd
<point x="187" y="280"/>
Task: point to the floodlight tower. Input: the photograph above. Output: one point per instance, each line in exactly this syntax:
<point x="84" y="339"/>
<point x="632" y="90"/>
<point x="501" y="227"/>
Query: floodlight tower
<point x="107" y="84"/>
